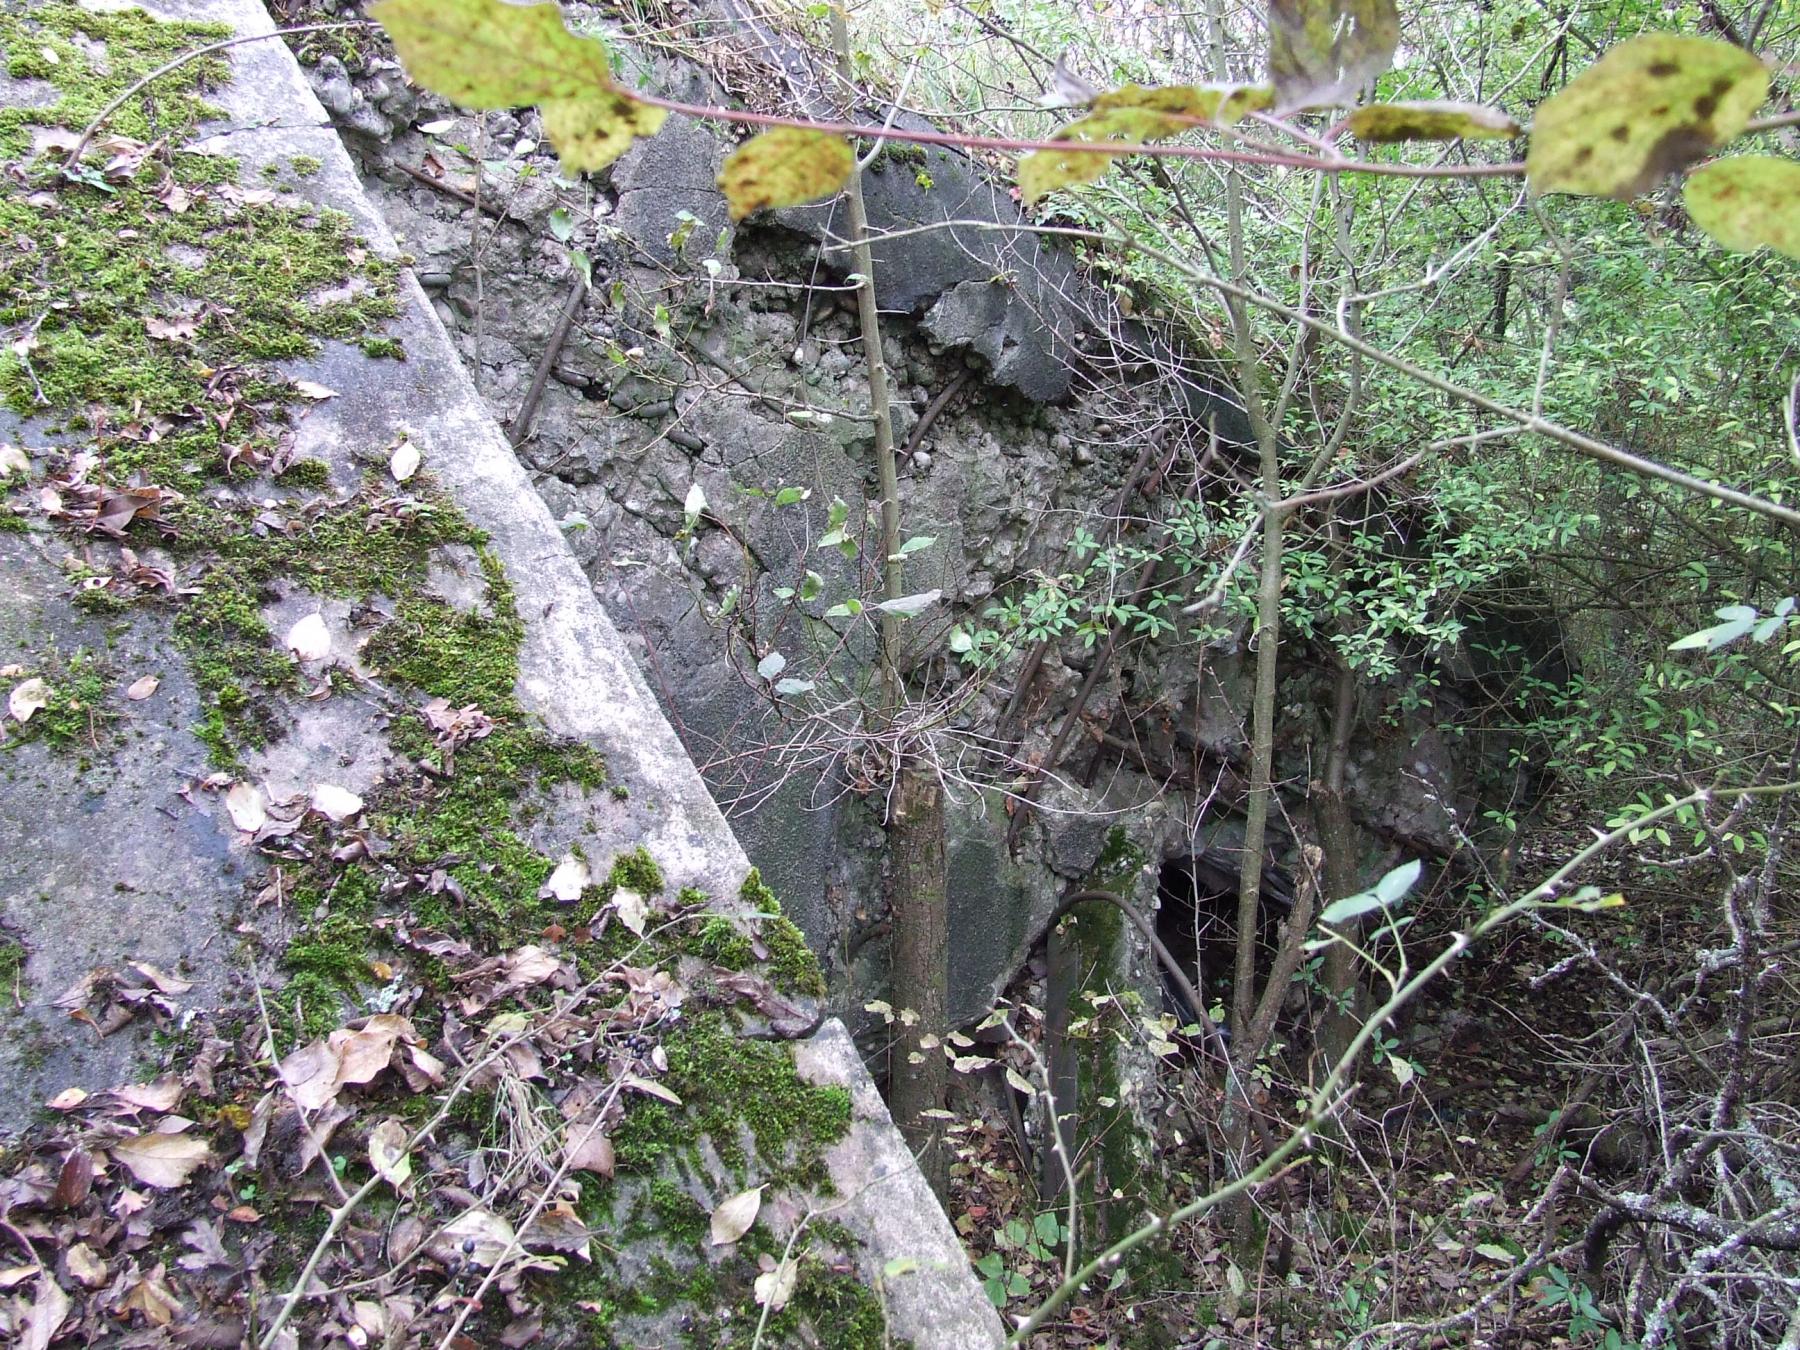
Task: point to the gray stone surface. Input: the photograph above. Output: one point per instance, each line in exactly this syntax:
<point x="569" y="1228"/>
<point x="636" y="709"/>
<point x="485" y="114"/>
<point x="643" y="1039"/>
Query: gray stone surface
<point x="102" y="861"/>
<point x="934" y="1300"/>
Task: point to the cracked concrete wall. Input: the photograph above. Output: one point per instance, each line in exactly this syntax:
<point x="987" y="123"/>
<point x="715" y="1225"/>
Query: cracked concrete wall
<point x="729" y="358"/>
<point x="718" y="364"/>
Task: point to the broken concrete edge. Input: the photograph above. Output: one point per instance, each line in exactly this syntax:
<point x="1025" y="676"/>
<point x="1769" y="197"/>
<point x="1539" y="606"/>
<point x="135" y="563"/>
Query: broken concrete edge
<point x="574" y="673"/>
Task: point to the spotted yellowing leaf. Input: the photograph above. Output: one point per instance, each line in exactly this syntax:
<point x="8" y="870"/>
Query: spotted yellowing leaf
<point x="1135" y="115"/>
<point x="1748" y="202"/>
<point x="1649" y="107"/>
<point x="387" y="1153"/>
<point x="1322" y="51"/>
<point x="487" y="54"/>
<point x="1431" y="122"/>
<point x="784" y="166"/>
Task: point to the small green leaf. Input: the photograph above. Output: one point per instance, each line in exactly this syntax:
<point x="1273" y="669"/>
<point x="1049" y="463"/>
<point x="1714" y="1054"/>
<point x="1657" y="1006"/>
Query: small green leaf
<point x="1385" y="122"/>
<point x="812" y="586"/>
<point x="787" y="496"/>
<point x="486" y="54"/>
<point x="562" y="224"/>
<point x="771" y="665"/>
<point x="1748" y="202"/>
<point x="788" y="688"/>
<point x="1398" y="882"/>
<point x="784" y="166"/>
<point x="1385" y="894"/>
<point x="1739" y="619"/>
<point x="960" y="641"/>
<point x="694" y="505"/>
<point x="1648" y="108"/>
<point x="1322" y="51"/>
<point x="913" y="545"/>
<point x="848" y="610"/>
<point x="908" y="605"/>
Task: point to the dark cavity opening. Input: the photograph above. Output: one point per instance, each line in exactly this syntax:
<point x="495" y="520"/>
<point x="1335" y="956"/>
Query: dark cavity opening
<point x="1196" y="918"/>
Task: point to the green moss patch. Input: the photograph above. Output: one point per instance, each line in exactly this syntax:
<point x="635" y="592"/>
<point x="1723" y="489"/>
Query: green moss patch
<point x="79" y="710"/>
<point x="46" y="43"/>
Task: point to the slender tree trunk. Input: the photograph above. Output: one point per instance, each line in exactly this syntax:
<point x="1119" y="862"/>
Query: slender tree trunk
<point x="921" y="945"/>
<point x="920" y="971"/>
<point x="1339" y="975"/>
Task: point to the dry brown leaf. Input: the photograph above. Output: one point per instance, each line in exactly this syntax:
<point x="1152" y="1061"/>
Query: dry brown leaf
<point x="775" y="1287"/>
<point x="152" y="1298"/>
<point x="48" y="1312"/>
<point x="477" y="1236"/>
<point x="732" y="1219"/>
<point x="67" y="1100"/>
<point x="171" y="330"/>
<point x="85" y="1266"/>
<point x="310" y="1073"/>
<point x="27" y="698"/>
<point x="309" y="639"/>
<point x="336" y="804"/>
<point x="74" y="1180"/>
<point x="632" y="909"/>
<point x="567" y="882"/>
<point x="528" y="966"/>
<point x="591" y="1154"/>
<point x="141" y="689"/>
<point x="366" y="1052"/>
<point x="404" y="462"/>
<point x="313" y="390"/>
<point x="319" y="1130"/>
<point x="247" y="807"/>
<point x="162" y="1095"/>
<point x="650" y="1088"/>
<point x="422" y="1069"/>
<point x="314" y="1073"/>
<point x="387" y="1153"/>
<point x="558" y="1228"/>
<point x="165" y="983"/>
<point x="164" y="1161"/>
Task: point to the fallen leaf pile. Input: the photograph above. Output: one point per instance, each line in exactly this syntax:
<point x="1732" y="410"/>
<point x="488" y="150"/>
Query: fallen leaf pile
<point x="149" y="1207"/>
<point x="72" y="494"/>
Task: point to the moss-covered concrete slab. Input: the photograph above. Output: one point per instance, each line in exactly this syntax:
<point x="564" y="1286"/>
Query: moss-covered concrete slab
<point x="335" y="814"/>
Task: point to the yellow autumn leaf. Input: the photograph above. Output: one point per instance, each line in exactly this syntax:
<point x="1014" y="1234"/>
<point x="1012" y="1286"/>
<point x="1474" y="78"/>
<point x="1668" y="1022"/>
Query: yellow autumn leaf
<point x="784" y="166"/>
<point x="1135" y="115"/>
<point x="1748" y="202"/>
<point x="1430" y="121"/>
<point x="1322" y="51"/>
<point x="487" y="54"/>
<point x="1649" y="107"/>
